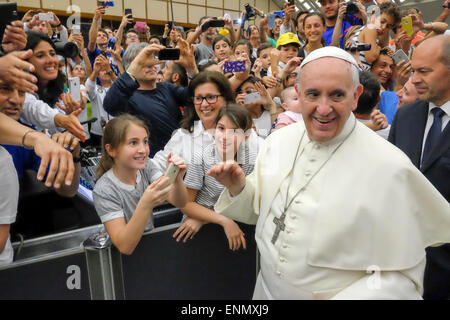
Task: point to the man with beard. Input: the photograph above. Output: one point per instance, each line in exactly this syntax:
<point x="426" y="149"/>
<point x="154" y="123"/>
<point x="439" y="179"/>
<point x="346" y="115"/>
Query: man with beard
<point x="330" y="10"/>
<point x="204" y="49"/>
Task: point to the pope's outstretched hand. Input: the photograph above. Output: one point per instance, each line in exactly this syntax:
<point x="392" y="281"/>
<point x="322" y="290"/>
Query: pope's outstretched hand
<point x="230" y="174"/>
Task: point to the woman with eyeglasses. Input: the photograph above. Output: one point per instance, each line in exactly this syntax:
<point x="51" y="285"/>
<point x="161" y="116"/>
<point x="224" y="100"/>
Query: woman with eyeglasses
<point x="209" y="91"/>
<point x="234" y="141"/>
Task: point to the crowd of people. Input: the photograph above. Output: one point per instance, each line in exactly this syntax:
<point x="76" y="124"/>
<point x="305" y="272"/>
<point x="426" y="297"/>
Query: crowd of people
<point x="219" y="104"/>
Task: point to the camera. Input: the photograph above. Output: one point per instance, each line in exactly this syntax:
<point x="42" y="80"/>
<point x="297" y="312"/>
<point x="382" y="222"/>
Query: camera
<point x="65" y="49"/>
<point x="359" y="47"/>
<point x="249" y="11"/>
<point x="352" y="8"/>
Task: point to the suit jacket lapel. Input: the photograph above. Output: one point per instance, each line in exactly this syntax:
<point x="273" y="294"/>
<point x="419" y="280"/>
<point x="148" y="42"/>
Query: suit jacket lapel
<point x="417" y="121"/>
<point x="442" y="145"/>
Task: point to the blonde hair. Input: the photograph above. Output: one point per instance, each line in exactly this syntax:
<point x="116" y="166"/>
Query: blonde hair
<point x="114" y="134"/>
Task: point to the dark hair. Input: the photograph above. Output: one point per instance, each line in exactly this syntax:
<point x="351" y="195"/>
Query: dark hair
<point x="311" y="14"/>
<point x="248" y="29"/>
<point x="131" y="31"/>
<point x="263" y="46"/>
<point x="155" y="37"/>
<point x="299" y="13"/>
<point x="238" y="115"/>
<point x="51" y="92"/>
<point x="391" y="9"/>
<point x="181" y="71"/>
<point x="222" y="84"/>
<point x="369" y="98"/>
<point x="244" y="42"/>
<point x="322" y="17"/>
<point x="104" y="31"/>
<point x="114" y="134"/>
<point x="250" y="79"/>
<point x="202" y="18"/>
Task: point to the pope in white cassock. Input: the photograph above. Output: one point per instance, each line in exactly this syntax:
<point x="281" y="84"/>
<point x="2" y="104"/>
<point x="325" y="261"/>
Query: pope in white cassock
<point x="340" y="212"/>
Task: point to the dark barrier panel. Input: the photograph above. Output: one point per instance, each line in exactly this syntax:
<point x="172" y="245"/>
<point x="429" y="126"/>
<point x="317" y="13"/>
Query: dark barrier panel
<point x="203" y="268"/>
<point x="55" y="279"/>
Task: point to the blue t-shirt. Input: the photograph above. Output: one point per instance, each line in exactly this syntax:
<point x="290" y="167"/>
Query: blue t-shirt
<point x="388" y="105"/>
<point x="23" y="159"/>
<point x="93" y="55"/>
<point x="348" y="22"/>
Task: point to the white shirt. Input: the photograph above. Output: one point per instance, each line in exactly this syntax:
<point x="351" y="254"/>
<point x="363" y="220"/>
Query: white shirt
<point x="263" y="124"/>
<point x="445" y="119"/>
<point x="184" y="144"/>
<point x="96" y="95"/>
<point x="37" y="113"/>
<point x="9" y="197"/>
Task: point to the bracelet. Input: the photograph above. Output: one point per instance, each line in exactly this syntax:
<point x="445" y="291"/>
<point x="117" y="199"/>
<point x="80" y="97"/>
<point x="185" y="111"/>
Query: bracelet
<point x="23" y="139"/>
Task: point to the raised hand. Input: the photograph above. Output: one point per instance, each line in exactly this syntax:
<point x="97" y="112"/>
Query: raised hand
<point x="229" y="174"/>
<point x="16" y="71"/>
<point x="14" y="38"/>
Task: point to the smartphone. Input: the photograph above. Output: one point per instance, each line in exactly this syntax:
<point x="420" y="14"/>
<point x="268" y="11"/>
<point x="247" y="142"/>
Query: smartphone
<point x="399" y="56"/>
<point x="215" y="23"/>
<point x="281" y="13"/>
<point x="252" y="97"/>
<point x="129" y="11"/>
<point x="171" y="173"/>
<point x="234" y="66"/>
<point x="45" y="16"/>
<point x="291" y="2"/>
<point x="170" y="25"/>
<point x="140" y="27"/>
<point x="271" y="20"/>
<point x="407" y="25"/>
<point x="169" y="54"/>
<point x="74" y="88"/>
<point x="8" y="14"/>
<point x="105" y="3"/>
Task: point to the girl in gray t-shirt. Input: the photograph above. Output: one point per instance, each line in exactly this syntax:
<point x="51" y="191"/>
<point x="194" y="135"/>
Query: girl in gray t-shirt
<point x="128" y="188"/>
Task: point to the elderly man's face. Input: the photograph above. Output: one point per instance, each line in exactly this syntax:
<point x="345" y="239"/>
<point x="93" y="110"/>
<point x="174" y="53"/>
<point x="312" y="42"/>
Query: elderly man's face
<point x="431" y="77"/>
<point x="327" y="97"/>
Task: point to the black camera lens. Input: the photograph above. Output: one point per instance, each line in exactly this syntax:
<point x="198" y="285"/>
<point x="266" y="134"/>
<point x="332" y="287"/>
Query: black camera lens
<point x="66" y="49"/>
<point x="352" y="8"/>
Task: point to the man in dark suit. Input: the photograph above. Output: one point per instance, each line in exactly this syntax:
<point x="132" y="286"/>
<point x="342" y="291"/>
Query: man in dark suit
<point x="422" y="130"/>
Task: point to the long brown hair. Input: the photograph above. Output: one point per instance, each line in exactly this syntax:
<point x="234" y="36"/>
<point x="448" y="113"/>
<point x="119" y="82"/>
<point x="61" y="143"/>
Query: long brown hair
<point x="222" y="84"/>
<point x="115" y="134"/>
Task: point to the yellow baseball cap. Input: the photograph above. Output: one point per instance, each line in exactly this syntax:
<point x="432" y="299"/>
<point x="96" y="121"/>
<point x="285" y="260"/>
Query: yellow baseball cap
<point x="287" y="38"/>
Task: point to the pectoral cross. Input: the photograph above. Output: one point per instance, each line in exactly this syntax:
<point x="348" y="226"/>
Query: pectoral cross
<point x="279" y="222"/>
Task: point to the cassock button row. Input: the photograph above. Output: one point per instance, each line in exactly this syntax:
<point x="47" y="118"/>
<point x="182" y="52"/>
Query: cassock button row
<point x="279" y="273"/>
<point x="282" y="259"/>
<point x="298" y="201"/>
<point x="288" y="231"/>
<point x="285" y="246"/>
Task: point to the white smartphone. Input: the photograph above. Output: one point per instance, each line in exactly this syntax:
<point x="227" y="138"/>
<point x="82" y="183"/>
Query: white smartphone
<point x="74" y="88"/>
<point x="252" y="97"/>
<point x="171" y="173"/>
<point x="45" y="16"/>
<point x="76" y="29"/>
<point x="399" y="56"/>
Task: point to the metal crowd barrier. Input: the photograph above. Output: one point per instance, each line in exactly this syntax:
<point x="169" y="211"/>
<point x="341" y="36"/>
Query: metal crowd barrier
<point x="83" y="264"/>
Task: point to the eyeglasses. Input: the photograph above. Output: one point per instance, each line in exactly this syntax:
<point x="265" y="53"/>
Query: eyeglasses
<point x="210" y="99"/>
